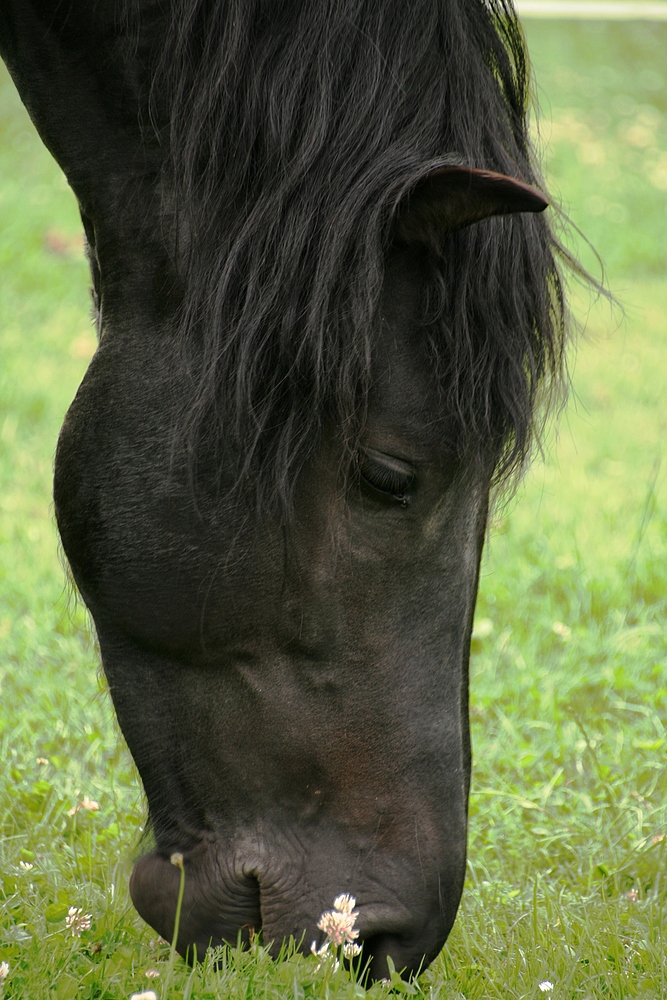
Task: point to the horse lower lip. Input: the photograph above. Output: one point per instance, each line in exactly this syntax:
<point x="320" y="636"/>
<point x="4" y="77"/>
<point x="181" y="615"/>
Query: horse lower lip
<point x="377" y="947"/>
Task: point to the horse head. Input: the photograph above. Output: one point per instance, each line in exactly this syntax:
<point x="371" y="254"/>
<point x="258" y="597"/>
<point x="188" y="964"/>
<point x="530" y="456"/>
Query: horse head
<point x="326" y="303"/>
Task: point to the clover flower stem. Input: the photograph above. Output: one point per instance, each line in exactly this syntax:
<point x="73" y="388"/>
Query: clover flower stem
<point x="177" y="860"/>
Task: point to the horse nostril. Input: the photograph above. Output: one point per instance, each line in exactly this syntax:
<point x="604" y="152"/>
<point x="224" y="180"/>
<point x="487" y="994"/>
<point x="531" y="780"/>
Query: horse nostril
<point x="213" y="912"/>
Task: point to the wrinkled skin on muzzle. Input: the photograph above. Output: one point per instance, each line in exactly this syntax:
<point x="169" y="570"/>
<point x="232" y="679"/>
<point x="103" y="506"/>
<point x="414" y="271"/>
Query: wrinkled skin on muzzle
<point x="296" y="706"/>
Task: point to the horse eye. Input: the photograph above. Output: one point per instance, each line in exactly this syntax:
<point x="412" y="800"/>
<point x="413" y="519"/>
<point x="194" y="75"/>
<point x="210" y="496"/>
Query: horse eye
<point x="385" y="478"/>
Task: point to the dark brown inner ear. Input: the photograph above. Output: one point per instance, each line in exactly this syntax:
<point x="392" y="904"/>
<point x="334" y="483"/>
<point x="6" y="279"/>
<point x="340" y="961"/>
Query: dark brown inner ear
<point x="453" y="197"/>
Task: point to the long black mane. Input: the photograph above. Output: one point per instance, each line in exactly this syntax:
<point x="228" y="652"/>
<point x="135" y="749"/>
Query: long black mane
<point x="295" y="126"/>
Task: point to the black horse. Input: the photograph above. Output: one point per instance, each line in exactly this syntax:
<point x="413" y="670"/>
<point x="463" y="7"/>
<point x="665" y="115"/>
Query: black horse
<point x="320" y="348"/>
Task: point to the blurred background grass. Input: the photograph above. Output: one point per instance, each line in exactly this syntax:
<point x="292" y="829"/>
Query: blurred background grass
<point x="602" y="91"/>
<point x="569" y="668"/>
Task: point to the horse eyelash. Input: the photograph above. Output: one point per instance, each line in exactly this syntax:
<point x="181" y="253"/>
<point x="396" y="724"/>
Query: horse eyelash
<point x="383" y="477"/>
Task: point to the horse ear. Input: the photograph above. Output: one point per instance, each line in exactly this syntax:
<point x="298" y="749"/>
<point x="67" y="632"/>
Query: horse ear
<point x="450" y="198"/>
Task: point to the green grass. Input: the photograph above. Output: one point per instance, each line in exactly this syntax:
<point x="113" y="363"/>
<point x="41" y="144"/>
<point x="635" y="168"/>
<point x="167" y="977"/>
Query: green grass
<point x="602" y="88"/>
<point x="566" y="877"/>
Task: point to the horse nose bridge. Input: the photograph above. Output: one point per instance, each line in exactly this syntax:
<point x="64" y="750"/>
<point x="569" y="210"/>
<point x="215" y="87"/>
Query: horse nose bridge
<point x="312" y="619"/>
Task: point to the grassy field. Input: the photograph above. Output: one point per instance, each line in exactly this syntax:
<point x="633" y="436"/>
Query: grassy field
<point x="567" y="878"/>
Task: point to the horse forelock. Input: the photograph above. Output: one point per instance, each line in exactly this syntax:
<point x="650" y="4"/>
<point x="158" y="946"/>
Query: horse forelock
<point x="293" y="126"/>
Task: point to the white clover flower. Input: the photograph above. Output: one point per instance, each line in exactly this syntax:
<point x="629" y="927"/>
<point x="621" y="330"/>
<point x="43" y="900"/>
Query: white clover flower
<point x="25" y="865"/>
<point x="320" y="952"/>
<point x="90" y="805"/>
<point x="4" y="971"/>
<point x="152" y="973"/>
<point x="351" y="950"/>
<point x="339" y="927"/>
<point x="146" y="995"/>
<point x="78" y="921"/>
<point x="177" y="859"/>
<point x="546" y="986"/>
<point x="344" y="903"/>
